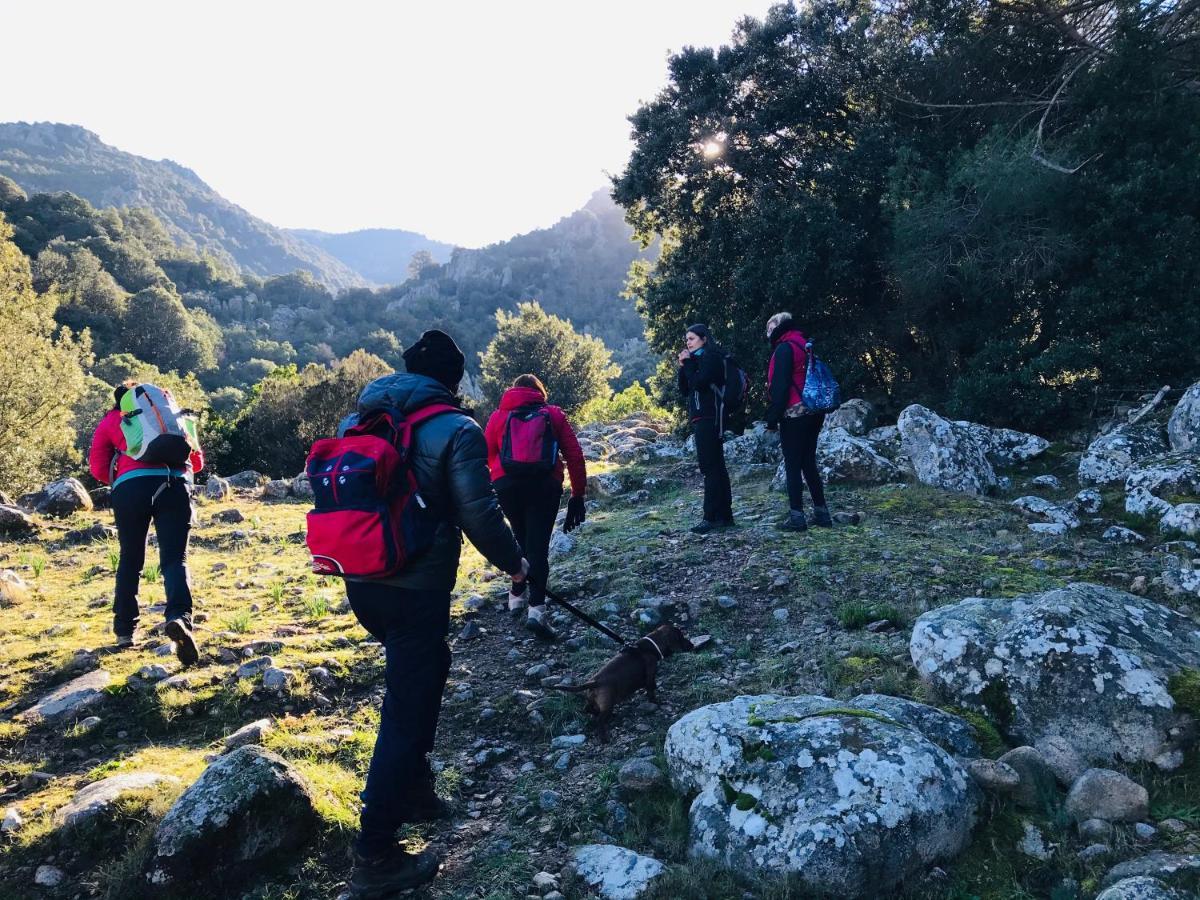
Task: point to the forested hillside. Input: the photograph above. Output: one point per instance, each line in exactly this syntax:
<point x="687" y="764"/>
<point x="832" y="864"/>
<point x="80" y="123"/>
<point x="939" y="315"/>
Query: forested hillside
<point x="989" y="207"/>
<point x="46" y="157"/>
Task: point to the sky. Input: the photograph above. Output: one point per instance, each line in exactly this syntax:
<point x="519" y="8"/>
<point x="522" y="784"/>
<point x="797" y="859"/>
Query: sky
<point x="468" y="122"/>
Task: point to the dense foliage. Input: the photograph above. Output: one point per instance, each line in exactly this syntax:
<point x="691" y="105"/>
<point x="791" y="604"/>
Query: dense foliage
<point x="575" y="368"/>
<point x="988" y="207"/>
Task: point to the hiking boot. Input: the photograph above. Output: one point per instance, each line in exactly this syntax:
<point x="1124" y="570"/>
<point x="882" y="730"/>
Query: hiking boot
<point x="185" y="644"/>
<point x="704" y="527"/>
<point x="124" y="641"/>
<point x="392" y="871"/>
<point x="794" y="521"/>
<point x="821" y="517"/>
<point x="536" y="622"/>
<point x="516" y="602"/>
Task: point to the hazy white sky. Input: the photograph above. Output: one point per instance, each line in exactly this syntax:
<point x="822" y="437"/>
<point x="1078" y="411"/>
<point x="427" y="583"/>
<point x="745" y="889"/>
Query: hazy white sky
<point x="468" y="121"/>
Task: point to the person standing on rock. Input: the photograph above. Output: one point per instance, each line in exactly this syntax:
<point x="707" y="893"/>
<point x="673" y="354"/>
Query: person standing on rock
<point x="409" y="613"/>
<point x="798" y="428"/>
<point x="701" y="374"/>
<point x="528" y="440"/>
<point x="145" y="492"/>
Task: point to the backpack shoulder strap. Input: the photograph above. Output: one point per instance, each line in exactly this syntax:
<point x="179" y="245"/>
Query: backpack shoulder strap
<point x="425" y="413"/>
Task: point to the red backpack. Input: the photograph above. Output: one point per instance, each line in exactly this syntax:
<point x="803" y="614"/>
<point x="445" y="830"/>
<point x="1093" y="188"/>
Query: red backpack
<point x="368" y="518"/>
<point x="529" y="446"/>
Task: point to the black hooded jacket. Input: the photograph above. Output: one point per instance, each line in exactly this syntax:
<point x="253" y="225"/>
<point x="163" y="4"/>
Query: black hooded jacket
<point x="449" y="458"/>
<point x="698" y="376"/>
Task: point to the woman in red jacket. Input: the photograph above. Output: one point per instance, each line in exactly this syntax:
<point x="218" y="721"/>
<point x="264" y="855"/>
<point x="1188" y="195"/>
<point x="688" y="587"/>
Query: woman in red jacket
<point x="528" y="440"/>
<point x="141" y="493"/>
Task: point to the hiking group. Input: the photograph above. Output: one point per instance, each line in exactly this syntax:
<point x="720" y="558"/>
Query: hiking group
<point x="408" y="474"/>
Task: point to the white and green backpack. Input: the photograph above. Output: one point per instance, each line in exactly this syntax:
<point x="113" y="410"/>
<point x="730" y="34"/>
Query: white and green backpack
<point x="156" y="429"/>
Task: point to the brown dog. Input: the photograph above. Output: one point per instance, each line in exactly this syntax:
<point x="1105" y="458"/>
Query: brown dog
<point x="636" y="666"/>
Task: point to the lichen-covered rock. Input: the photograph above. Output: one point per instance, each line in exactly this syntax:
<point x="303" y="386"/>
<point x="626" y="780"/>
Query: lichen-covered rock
<point x="1176" y="869"/>
<point x="843" y="457"/>
<point x="1142" y="887"/>
<point x="609" y="484"/>
<point x="277" y="489"/>
<point x="70" y="698"/>
<point x="251" y="733"/>
<point x="850" y="799"/>
<point x="63" y="498"/>
<point x="942" y="454"/>
<point x="98" y="796"/>
<point x="1112" y="456"/>
<point x="246" y="805"/>
<point x="248" y="479"/>
<point x="1089" y="501"/>
<point x="561" y="544"/>
<point x="1040" y="509"/>
<point x="1174" y="473"/>
<point x="1084" y="664"/>
<point x="217" y="488"/>
<point x="1003" y="446"/>
<point x="856" y="416"/>
<point x="1118" y="534"/>
<point x="1183" y="429"/>
<point x="301" y="488"/>
<point x="15" y="521"/>
<point x="614" y="872"/>
<point x="757" y="445"/>
<point x="1140" y="502"/>
<point x="1183" y="518"/>
<point x="1036" y="789"/>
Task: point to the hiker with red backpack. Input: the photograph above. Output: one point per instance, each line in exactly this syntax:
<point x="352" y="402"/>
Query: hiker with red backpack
<point x="394" y="493"/>
<point x="528" y="440"/>
<point x="799" y="424"/>
<point x="703" y="382"/>
<point x="147" y="448"/>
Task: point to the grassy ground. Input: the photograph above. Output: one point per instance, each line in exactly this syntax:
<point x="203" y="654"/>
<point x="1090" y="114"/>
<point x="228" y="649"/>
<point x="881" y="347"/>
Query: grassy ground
<point x="915" y="549"/>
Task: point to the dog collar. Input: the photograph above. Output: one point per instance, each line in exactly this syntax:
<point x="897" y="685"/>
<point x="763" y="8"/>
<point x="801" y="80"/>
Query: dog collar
<point x="661" y="655"/>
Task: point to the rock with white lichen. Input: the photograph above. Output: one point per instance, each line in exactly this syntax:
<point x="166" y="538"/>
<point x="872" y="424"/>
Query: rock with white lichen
<point x="849" y="798"/>
<point x="1083" y="665"/>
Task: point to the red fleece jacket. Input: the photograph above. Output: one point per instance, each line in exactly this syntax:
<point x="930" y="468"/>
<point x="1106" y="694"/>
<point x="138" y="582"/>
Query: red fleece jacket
<point x="108" y="443"/>
<point x="568" y="444"/>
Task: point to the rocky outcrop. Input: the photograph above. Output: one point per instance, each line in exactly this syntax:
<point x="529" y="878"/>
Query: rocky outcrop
<point x="850" y="799"/>
<point x="844" y="457"/>
<point x="1003" y="446"/>
<point x="943" y="454"/>
<point x="856" y="417"/>
<point x="1112" y="456"/>
<point x="1183" y="428"/>
<point x="217" y="488"/>
<point x="1085" y="665"/>
<point x="614" y="872"/>
<point x="15" y="522"/>
<point x="1039" y="509"/>
<point x="60" y="498"/>
<point x="247" y="805"/>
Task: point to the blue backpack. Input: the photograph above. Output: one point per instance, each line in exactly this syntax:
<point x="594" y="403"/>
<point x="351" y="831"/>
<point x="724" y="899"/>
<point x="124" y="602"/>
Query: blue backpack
<point x="821" y="392"/>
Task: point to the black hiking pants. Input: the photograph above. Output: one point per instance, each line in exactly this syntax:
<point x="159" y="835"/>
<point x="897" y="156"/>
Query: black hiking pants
<point x="167" y="502"/>
<point x="531" y="506"/>
<point x="798" y="440"/>
<point x="412" y="626"/>
<point x="710" y="456"/>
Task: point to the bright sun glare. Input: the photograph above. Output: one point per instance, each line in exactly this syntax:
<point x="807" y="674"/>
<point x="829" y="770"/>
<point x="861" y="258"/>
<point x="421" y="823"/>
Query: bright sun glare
<point x="713" y="148"/>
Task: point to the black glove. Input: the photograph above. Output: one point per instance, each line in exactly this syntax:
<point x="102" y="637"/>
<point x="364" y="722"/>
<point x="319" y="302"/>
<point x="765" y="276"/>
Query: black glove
<point x="576" y="513"/>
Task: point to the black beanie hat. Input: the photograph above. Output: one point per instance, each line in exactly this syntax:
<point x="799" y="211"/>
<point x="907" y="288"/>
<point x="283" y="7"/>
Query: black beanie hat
<point x="699" y="330"/>
<point x="437" y="356"/>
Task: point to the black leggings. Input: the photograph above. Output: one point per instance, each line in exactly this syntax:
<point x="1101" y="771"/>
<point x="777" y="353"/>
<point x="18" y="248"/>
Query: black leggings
<point x="710" y="456"/>
<point x="136" y="502"/>
<point x="798" y="439"/>
<point x="531" y="505"/>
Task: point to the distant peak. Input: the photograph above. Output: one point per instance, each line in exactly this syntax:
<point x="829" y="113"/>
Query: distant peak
<point x="49" y="132"/>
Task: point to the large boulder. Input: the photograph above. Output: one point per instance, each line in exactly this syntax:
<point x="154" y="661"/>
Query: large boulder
<point x="69" y="699"/>
<point x="301" y="488"/>
<point x="857" y="417"/>
<point x="278" y="489"/>
<point x="217" y="488"/>
<point x="1142" y="887"/>
<point x="247" y="805"/>
<point x="1183" y="428"/>
<point x="99" y="796"/>
<point x="756" y="445"/>
<point x="614" y="872"/>
<point x="1039" y="509"/>
<point x="849" y="799"/>
<point x="63" y="498"/>
<point x="1180" y="870"/>
<point x="1003" y="446"/>
<point x="248" y="480"/>
<point x="943" y="454"/>
<point x="14" y="521"/>
<point x="1086" y="665"/>
<point x="843" y="457"/>
<point x="1112" y="456"/>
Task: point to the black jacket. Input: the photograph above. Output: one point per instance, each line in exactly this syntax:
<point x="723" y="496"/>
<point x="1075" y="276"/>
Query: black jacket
<point x="781" y="384"/>
<point x="449" y="458"/>
<point x="697" y="377"/>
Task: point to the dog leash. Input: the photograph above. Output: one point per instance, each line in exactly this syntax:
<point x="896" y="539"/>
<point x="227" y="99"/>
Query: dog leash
<point x="584" y="617"/>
